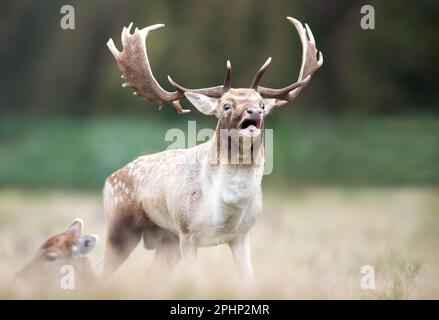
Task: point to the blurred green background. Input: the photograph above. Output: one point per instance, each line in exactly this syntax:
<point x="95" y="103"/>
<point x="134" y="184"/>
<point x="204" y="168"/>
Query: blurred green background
<point x="369" y="117"/>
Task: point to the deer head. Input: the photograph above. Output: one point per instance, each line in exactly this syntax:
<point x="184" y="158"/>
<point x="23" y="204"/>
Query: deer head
<point x="66" y="248"/>
<point x="235" y="108"/>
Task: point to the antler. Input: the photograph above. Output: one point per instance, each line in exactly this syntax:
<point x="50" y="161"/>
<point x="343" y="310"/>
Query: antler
<point x="310" y="64"/>
<point x="136" y="71"/>
<point x="213" y="92"/>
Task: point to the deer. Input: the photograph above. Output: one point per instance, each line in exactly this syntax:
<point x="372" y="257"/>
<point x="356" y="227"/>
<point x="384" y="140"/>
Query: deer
<point x="67" y="248"/>
<point x="177" y="204"/>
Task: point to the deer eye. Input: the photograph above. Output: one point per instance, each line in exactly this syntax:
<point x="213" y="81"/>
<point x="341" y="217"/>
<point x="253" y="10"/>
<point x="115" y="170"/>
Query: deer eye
<point x="262" y="106"/>
<point x="227" y="106"/>
<point x="51" y="256"/>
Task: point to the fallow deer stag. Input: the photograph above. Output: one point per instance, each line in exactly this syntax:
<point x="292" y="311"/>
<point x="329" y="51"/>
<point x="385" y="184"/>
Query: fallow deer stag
<point x="67" y="248"/>
<point x="175" y="202"/>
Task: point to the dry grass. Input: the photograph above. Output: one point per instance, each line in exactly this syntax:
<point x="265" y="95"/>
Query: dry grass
<point x="309" y="244"/>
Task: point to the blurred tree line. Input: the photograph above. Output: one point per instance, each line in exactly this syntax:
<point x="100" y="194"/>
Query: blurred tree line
<point x="48" y="70"/>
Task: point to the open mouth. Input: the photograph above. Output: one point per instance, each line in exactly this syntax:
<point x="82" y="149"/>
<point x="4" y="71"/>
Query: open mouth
<point x="250" y="124"/>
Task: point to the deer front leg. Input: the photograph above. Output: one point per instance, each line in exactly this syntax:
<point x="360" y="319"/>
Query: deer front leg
<point x="188" y="251"/>
<point x="241" y="253"/>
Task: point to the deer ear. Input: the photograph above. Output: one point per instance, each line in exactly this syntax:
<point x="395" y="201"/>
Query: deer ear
<point x="270" y="104"/>
<point x="203" y="103"/>
<point x="85" y="244"/>
<point x="75" y="228"/>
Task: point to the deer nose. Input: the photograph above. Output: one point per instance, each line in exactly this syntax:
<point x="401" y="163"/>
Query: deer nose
<point x="254" y="111"/>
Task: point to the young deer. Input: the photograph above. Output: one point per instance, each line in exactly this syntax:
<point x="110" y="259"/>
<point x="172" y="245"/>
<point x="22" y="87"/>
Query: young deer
<point x="182" y="199"/>
<point x="66" y="248"/>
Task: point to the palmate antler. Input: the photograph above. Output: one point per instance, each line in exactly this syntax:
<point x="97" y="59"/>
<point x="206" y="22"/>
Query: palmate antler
<point x="136" y="70"/>
<point x="310" y="64"/>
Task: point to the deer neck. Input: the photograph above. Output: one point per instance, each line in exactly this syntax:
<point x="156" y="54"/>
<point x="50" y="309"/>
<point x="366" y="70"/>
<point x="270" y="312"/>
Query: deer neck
<point x="235" y="179"/>
<point x="229" y="150"/>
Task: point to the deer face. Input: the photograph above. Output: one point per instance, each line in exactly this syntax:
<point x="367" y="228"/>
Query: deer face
<point x="67" y="248"/>
<point x="237" y="109"/>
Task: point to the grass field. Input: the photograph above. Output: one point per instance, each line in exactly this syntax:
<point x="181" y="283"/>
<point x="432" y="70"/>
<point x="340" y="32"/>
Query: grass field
<point x="310" y="243"/>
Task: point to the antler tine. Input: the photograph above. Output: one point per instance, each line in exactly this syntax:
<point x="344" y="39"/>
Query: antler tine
<point x="228" y="77"/>
<point x="213" y="92"/>
<point x="136" y="70"/>
<point x="259" y="74"/>
<point x="310" y="63"/>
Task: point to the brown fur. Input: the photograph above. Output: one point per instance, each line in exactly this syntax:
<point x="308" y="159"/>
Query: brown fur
<point x="168" y="182"/>
<point x="57" y="251"/>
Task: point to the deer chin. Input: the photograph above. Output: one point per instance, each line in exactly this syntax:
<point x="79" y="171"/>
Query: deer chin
<point x="250" y="128"/>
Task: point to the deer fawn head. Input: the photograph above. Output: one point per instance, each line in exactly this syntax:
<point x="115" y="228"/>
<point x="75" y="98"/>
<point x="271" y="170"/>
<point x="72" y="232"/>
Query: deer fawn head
<point x="66" y="248"/>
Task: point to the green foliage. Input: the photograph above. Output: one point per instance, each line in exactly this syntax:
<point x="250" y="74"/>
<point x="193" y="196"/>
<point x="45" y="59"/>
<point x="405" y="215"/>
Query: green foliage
<point x="357" y="150"/>
<point x="308" y="150"/>
<point x="48" y="70"/>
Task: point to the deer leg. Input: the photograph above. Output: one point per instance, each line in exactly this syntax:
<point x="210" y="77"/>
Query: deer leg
<point x="241" y="253"/>
<point x="188" y="251"/>
<point x="165" y="259"/>
<point x="168" y="255"/>
<point x="123" y="234"/>
<point x="188" y="248"/>
<point x="166" y="245"/>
